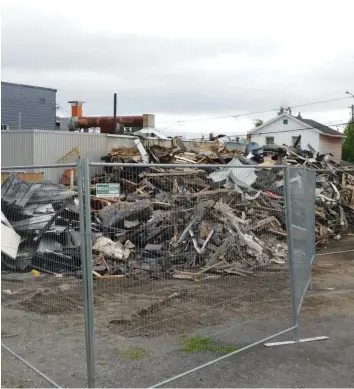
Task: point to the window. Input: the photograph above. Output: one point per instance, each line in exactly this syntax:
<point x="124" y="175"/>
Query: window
<point x="41" y="100"/>
<point x="285" y="121"/>
<point x="5" y="127"/>
<point x="294" y="138"/>
<point x="270" y="140"/>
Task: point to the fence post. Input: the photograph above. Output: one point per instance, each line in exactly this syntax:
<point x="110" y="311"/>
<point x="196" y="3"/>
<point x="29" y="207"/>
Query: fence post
<point x="291" y="256"/>
<point x="86" y="262"/>
<point x="308" y="225"/>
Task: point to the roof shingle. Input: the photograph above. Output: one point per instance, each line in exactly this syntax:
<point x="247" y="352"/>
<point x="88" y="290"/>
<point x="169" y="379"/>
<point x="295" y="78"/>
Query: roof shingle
<point x="320" y="127"/>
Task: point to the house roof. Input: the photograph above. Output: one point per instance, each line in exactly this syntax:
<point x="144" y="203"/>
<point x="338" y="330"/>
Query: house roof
<point x="321" y="127"/>
<point x="310" y="124"/>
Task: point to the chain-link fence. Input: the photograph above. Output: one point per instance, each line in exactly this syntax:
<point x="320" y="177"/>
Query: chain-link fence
<point x="167" y="268"/>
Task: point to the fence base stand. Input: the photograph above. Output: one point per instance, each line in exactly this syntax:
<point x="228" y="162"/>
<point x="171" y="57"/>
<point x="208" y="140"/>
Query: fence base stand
<point x="315" y="338"/>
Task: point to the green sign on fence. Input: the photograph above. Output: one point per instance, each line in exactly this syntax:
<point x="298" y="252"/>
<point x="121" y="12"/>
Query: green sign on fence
<point x="107" y="190"/>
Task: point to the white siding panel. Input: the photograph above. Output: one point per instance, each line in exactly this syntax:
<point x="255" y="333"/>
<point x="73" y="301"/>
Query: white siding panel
<point x="307" y="137"/>
<point x="330" y="144"/>
<point x="283" y="133"/>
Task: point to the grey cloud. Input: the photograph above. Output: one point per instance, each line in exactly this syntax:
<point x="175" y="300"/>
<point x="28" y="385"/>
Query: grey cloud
<point x="54" y="44"/>
<point x="152" y="74"/>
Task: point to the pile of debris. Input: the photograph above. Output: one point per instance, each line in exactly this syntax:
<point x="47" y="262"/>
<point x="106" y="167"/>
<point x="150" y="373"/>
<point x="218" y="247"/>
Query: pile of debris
<point x="39" y="227"/>
<point x="177" y="222"/>
<point x="334" y="186"/>
<point x="190" y="222"/>
<point x="187" y="223"/>
<point x="190" y="234"/>
<point x="144" y="152"/>
<point x="334" y="182"/>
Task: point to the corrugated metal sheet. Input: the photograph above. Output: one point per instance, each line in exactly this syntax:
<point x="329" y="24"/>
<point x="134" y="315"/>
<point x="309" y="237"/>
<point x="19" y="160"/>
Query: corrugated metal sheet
<point x="330" y="144"/>
<point x="50" y="147"/>
<point x="27" y="107"/>
<point x="17" y="148"/>
<point x="36" y="147"/>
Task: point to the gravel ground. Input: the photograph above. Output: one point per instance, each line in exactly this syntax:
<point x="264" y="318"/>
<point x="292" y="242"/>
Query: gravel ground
<point x="328" y="310"/>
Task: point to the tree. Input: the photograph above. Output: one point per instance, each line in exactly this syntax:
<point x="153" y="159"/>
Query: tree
<point x="348" y="143"/>
<point x="284" y="110"/>
<point x="258" y="122"/>
<point x="281" y="110"/>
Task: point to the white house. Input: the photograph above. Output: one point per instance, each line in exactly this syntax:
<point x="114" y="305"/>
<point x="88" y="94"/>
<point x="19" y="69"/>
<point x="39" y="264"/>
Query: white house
<point x="285" y="129"/>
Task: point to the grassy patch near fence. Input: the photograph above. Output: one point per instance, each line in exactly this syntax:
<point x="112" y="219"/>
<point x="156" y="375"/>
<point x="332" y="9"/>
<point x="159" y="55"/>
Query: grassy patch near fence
<point x="195" y="344"/>
<point x="132" y="354"/>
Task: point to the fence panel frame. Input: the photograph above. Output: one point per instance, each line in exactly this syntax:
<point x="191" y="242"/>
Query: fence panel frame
<point x="83" y="170"/>
<point x="14" y="169"/>
<point x="295" y="328"/>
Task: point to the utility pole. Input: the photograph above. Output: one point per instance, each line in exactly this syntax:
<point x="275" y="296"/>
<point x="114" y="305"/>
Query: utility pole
<point x="352" y="106"/>
<point x="114" y="113"/>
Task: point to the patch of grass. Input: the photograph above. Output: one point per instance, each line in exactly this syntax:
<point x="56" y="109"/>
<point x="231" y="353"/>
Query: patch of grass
<point x="101" y="363"/>
<point x="195" y="344"/>
<point x="132" y="354"/>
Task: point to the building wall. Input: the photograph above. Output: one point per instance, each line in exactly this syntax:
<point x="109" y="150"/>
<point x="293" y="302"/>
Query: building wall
<point x="17" y="148"/>
<point x="27" y="107"/>
<point x="37" y="147"/>
<point x="331" y="144"/>
<point x="283" y="133"/>
<point x="50" y="147"/>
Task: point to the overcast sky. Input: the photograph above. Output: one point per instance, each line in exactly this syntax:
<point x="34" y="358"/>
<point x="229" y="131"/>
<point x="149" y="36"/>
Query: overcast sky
<point x="183" y="60"/>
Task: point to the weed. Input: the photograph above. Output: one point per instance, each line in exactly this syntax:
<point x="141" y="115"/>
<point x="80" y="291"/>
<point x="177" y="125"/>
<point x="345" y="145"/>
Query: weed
<point x="195" y="344"/>
<point x="133" y="354"/>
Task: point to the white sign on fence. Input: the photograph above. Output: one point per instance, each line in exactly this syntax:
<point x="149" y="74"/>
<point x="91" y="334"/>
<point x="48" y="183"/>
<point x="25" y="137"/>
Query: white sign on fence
<point x="107" y="190"/>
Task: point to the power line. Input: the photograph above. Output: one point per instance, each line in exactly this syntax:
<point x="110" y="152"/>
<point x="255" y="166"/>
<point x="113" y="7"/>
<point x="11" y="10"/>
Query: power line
<point x="253" y="113"/>
<point x="62" y="108"/>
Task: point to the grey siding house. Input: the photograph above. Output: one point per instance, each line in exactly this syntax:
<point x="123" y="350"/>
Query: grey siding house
<point x="27" y="107"/>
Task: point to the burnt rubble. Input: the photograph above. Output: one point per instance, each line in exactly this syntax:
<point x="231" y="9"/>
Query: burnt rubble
<point x="186" y="223"/>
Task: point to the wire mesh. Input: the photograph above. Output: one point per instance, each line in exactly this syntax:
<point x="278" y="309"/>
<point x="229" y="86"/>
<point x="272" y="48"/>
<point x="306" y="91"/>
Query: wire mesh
<point x="302" y="184"/>
<point x="189" y="264"/>
<point x="42" y="294"/>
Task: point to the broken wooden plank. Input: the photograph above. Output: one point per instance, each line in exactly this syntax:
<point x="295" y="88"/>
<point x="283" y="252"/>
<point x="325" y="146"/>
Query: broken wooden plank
<point x="174" y="173"/>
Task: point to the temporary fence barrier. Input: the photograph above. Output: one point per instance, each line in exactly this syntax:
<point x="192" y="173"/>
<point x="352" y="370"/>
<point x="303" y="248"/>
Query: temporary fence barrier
<point x="42" y="291"/>
<point x="180" y="266"/>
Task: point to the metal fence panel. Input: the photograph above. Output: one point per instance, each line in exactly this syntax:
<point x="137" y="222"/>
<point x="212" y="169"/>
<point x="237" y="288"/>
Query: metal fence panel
<point x="188" y="264"/>
<point x="301" y="208"/>
<point x="42" y="293"/>
<point x="166" y="268"/>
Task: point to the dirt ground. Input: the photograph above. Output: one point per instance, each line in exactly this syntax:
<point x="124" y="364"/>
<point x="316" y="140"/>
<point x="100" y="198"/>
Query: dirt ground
<point x="134" y="308"/>
<point x="38" y="313"/>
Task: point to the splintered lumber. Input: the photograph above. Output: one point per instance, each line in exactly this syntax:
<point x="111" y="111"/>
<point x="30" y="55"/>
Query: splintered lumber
<point x="263" y="223"/>
<point x="204" y="193"/>
<point x="173" y="173"/>
<point x="281" y="233"/>
<point x="108" y="276"/>
<point x="220" y="252"/>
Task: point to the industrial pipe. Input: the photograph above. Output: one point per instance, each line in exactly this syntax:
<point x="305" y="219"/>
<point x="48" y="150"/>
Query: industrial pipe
<point x="105" y="123"/>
